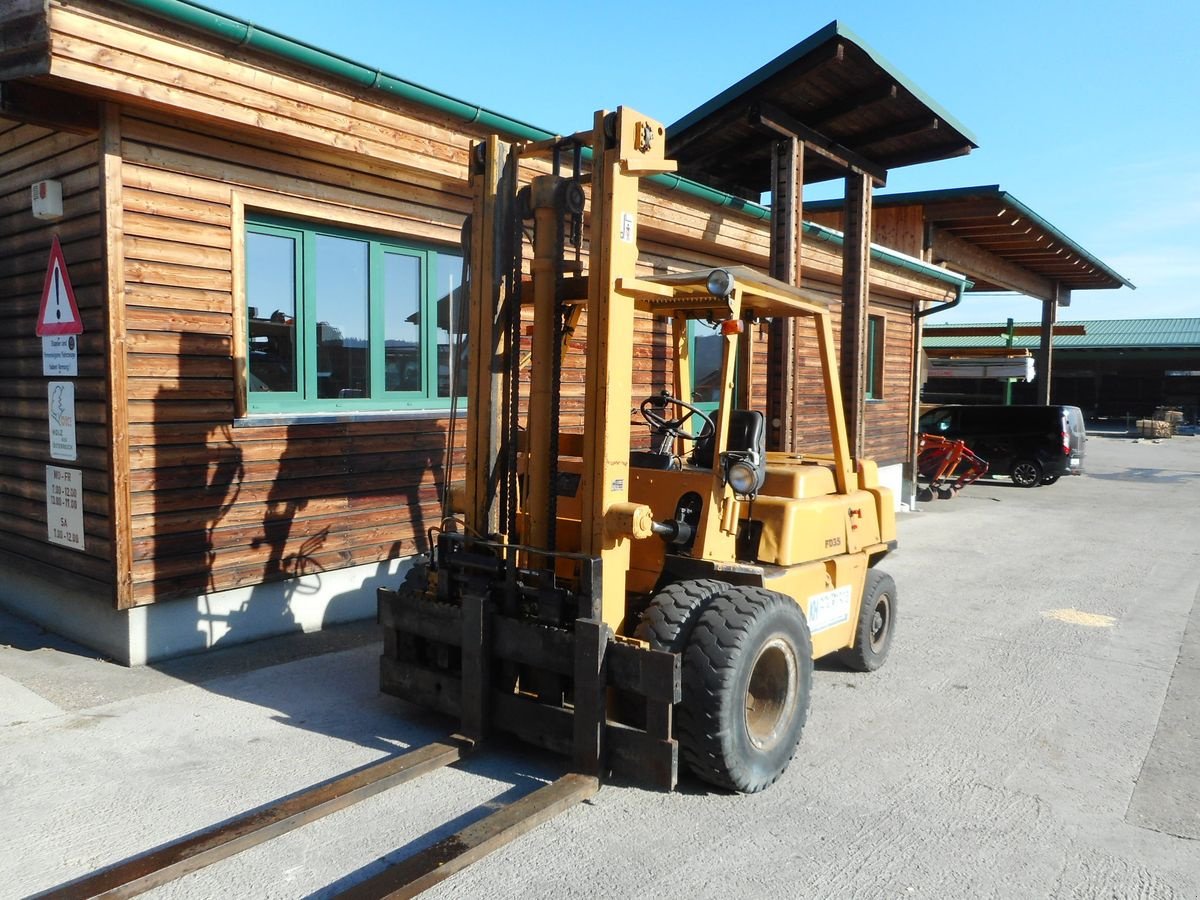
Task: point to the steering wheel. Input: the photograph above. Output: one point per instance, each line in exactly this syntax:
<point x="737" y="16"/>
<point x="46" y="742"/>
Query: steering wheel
<point x="673" y="428"/>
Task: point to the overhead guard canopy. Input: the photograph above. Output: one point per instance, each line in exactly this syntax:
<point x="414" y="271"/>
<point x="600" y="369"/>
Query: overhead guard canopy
<point x="687" y="294"/>
<point x="846" y="100"/>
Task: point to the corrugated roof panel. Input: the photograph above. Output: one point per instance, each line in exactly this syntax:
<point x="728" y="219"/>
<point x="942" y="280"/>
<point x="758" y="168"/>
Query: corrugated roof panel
<point x="1127" y="333"/>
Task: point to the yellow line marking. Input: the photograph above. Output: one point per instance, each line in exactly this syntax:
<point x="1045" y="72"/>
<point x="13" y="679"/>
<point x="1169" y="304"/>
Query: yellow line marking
<point x="1078" y="617"/>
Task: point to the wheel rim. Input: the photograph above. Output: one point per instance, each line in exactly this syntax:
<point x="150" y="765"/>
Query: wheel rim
<point x="771" y="693"/>
<point x="1025" y="473"/>
<point x="881" y="622"/>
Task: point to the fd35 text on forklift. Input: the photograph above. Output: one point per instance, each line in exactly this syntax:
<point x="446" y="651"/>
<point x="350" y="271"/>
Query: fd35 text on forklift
<point x="620" y="605"/>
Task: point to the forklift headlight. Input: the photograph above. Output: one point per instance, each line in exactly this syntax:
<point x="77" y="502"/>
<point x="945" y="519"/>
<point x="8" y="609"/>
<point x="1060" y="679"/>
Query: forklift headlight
<point x="720" y="283"/>
<point x="742" y="477"/>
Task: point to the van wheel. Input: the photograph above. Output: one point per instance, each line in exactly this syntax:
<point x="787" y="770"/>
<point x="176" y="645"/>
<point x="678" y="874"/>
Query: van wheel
<point x="876" y="624"/>
<point x="1026" y="473"/>
<point x="1049" y="479"/>
<point x="747" y="682"/>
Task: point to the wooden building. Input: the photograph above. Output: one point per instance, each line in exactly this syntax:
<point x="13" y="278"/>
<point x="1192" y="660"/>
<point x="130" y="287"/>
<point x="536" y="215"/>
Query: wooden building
<point x="248" y="435"/>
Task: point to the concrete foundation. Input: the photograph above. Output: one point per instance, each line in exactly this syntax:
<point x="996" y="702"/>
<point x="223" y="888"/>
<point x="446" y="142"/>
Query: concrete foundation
<point x="173" y="628"/>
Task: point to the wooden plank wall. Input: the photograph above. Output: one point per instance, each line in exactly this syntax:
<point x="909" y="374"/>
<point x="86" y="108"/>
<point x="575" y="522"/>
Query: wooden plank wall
<point x="28" y="154"/>
<point x="216" y="506"/>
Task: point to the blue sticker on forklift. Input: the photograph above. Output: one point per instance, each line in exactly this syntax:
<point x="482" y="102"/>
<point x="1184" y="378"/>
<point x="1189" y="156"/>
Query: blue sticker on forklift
<point x="829" y="609"/>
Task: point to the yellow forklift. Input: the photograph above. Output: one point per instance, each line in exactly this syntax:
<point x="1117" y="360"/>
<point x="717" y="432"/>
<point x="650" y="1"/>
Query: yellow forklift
<point x="626" y="601"/>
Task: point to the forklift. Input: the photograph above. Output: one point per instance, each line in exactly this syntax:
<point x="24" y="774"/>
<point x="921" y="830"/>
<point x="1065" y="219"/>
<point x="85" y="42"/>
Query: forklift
<point x="630" y="593"/>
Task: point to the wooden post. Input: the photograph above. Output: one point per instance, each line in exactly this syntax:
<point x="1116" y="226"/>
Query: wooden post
<point x="856" y="267"/>
<point x="787" y="194"/>
<point x="1045" y="355"/>
<point x="120" y="516"/>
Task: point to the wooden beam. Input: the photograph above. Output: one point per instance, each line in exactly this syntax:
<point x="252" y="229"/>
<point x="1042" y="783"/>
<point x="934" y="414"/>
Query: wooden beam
<point x="856" y="268"/>
<point x="1045" y="355"/>
<point x="59" y="110"/>
<point x="855" y="102"/>
<point x="25" y="39"/>
<point x="895" y="130"/>
<point x="998" y="330"/>
<point x="781" y="123"/>
<point x="787" y="195"/>
<point x="971" y="260"/>
<point x="120" y="516"/>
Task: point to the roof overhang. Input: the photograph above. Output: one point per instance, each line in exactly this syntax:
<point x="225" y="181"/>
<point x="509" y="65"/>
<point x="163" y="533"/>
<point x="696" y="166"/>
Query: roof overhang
<point x="999" y="242"/>
<point x="847" y="101"/>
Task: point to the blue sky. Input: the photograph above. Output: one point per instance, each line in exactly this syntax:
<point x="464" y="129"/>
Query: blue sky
<point x="1087" y="112"/>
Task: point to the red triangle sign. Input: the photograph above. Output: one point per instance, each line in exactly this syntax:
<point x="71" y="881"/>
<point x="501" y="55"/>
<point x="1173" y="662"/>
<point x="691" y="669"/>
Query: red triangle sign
<point x="59" y="313"/>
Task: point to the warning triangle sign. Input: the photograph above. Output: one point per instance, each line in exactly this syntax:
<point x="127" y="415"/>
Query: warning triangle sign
<point x="59" y="313"/>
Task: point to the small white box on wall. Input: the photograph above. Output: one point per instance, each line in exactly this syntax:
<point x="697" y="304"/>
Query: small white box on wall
<point x="47" y="200"/>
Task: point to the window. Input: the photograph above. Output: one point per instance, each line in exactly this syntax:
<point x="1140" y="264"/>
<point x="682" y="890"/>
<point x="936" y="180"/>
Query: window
<point x="707" y="348"/>
<point x="875" y="345"/>
<point x="342" y="320"/>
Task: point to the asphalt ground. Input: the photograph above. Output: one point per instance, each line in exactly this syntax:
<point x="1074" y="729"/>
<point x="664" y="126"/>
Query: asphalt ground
<point x="1035" y="733"/>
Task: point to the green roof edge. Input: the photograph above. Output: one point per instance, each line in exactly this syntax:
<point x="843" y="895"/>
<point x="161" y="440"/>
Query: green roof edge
<point x="245" y="33"/>
<point x="810" y="43"/>
<point x="981" y="190"/>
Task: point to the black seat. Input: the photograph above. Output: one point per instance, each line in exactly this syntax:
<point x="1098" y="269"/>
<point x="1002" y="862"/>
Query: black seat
<point x="747" y="432"/>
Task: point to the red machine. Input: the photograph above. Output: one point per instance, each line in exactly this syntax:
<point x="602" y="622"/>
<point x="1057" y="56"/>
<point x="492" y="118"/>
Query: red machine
<point x="947" y="467"/>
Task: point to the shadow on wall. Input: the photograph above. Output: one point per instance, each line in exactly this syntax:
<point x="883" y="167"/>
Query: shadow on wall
<point x="254" y="530"/>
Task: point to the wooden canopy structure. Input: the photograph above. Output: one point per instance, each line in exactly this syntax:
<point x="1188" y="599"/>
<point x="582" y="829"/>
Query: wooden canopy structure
<point x="830" y="107"/>
<point x="996" y="240"/>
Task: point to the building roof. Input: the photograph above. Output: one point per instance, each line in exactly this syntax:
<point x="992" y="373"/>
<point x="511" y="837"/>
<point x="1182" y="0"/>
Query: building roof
<point x="833" y="84"/>
<point x="243" y="33"/>
<point x="995" y="222"/>
<point x="1133" y="334"/>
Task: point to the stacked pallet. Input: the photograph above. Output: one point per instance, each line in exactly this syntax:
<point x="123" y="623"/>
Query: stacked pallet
<point x="1154" y="428"/>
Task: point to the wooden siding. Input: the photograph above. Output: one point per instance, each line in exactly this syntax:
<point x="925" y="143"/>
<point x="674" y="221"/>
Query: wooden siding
<point x="29" y="154"/>
<point x="897" y="227"/>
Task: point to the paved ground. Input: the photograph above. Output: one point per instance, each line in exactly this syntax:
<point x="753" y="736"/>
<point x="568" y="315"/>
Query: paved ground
<point x="1035" y="734"/>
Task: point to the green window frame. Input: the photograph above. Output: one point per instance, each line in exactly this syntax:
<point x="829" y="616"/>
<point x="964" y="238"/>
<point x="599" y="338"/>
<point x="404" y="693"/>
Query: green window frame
<point x="345" y="320"/>
<point x="876" y="329"/>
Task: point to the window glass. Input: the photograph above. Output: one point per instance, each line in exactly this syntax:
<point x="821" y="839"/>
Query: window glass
<point x="875" y="351"/>
<point x="271" y="298"/>
<point x="707" y="346"/>
<point x="343" y="320"/>
<point x="447" y="294"/>
<point x="402" y="359"/>
<point x="343" y="365"/>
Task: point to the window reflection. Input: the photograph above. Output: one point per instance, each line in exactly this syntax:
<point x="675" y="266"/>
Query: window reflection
<point x="271" y="297"/>
<point x="707" y="347"/>
<point x="343" y="363"/>
<point x="402" y="322"/>
<point x="448" y="295"/>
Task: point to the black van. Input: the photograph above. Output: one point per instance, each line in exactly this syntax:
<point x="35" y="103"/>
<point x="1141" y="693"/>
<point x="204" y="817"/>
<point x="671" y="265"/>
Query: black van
<point x="1031" y="444"/>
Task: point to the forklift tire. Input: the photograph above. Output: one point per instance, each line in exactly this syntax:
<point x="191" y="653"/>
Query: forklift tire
<point x="747" y="682"/>
<point x="876" y="624"/>
<point x="1026" y="473"/>
<point x="667" y="623"/>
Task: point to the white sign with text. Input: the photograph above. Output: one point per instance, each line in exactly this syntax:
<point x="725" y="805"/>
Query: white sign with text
<point x="61" y="397"/>
<point x="64" y="506"/>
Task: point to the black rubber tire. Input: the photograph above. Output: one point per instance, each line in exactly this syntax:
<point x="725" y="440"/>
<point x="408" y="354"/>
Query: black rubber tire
<point x="876" y="624"/>
<point x="1050" y="479"/>
<point x="668" y="621"/>
<point x="924" y="495"/>
<point x="945" y="493"/>
<point x="749" y="643"/>
<point x="1026" y="473"/>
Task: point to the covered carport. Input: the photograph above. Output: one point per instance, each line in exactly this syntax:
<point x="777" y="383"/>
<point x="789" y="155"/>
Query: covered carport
<point x="996" y="240"/>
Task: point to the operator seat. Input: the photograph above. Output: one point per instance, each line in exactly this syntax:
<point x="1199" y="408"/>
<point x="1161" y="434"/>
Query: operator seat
<point x="747" y="435"/>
